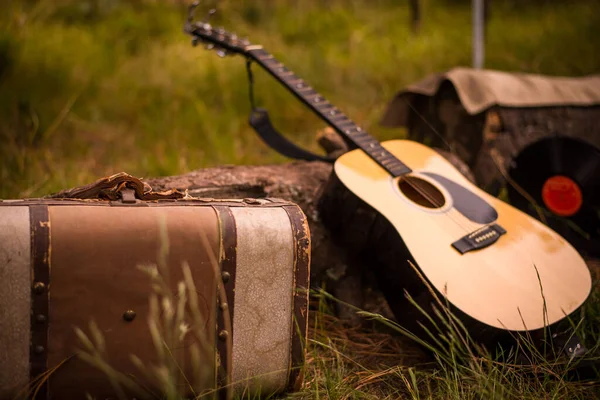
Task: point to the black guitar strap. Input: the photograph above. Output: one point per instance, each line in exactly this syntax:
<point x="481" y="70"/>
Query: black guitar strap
<point x="260" y="121"/>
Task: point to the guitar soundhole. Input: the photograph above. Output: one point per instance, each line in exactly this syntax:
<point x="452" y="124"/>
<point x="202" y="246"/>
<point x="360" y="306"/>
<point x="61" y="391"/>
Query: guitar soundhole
<point x="421" y="192"/>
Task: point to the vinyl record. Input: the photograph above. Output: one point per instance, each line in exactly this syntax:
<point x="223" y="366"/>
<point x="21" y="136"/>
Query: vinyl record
<point x="562" y="175"/>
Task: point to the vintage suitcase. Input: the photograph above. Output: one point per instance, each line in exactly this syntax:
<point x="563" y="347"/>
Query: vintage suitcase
<point x="65" y="262"/>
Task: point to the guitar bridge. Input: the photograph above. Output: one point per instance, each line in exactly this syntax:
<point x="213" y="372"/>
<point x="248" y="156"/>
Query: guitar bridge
<point x="482" y="237"/>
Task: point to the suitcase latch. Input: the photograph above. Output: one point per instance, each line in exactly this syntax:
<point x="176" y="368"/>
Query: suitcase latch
<point x="128" y="195"/>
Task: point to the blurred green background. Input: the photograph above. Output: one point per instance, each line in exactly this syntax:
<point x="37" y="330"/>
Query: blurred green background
<point x="90" y="88"/>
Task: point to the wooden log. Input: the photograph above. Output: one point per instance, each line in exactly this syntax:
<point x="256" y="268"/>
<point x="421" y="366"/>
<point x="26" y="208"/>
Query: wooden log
<point x="343" y="268"/>
<point x="335" y="266"/>
<point x="301" y="182"/>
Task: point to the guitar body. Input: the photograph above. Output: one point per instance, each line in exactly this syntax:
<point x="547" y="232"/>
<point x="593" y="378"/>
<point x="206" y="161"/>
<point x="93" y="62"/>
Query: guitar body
<point x="528" y="278"/>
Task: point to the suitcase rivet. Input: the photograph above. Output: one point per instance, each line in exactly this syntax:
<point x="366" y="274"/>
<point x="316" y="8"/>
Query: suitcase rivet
<point x="225" y="276"/>
<point x="40" y="318"/>
<point x="38" y="349"/>
<point x="223" y="335"/>
<point x="223" y="306"/>
<point x="129" y="315"/>
<point x="39" y="287"/>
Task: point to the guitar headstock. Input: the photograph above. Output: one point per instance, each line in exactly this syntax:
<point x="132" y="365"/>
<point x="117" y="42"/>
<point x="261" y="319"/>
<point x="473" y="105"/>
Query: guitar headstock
<point x="218" y="39"/>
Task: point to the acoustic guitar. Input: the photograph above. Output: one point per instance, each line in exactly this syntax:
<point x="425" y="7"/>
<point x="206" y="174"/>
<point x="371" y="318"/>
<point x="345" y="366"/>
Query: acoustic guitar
<point x="493" y="262"/>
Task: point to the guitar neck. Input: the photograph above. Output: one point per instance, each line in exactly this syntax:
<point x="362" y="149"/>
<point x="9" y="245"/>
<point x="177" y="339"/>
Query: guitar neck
<point x="328" y="112"/>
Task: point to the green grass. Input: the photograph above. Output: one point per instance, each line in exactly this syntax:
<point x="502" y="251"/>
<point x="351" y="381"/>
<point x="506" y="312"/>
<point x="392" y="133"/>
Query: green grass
<point x="363" y="362"/>
<point x="89" y="88"/>
<point x="377" y="359"/>
<point x="454" y="367"/>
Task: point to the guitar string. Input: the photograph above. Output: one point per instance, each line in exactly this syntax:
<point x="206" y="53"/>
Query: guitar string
<point x="519" y="252"/>
<point x="518" y="249"/>
<point x="415" y="186"/>
<point x="511" y="237"/>
<point x="457" y="220"/>
<point x="448" y="145"/>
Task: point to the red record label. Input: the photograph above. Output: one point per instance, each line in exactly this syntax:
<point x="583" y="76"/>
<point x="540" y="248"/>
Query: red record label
<point x="562" y="195"/>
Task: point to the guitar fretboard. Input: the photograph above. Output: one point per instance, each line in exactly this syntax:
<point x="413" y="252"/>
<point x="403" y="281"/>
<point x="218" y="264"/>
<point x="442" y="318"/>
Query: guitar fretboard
<point x="329" y="113"/>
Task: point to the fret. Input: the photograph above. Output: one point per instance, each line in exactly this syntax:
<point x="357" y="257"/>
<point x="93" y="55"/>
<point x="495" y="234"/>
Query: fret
<point x="362" y="136"/>
<point x="345" y="128"/>
<point x="350" y="129"/>
<point x="362" y="144"/>
<point x="384" y="153"/>
<point x="294" y="81"/>
<point x="324" y="108"/>
<point x="365" y="141"/>
<point x="275" y="64"/>
<point x="299" y="84"/>
<point x="261" y="54"/>
<point x="344" y="124"/>
<point x="385" y="158"/>
<point x="356" y="132"/>
<point x="317" y="99"/>
<point x="302" y="88"/>
<point x="266" y="57"/>
<point x="285" y="74"/>
<point x="358" y="135"/>
<point x="399" y="168"/>
<point x="271" y="61"/>
<point x="338" y="117"/>
<point x="382" y="157"/>
<point x="387" y="162"/>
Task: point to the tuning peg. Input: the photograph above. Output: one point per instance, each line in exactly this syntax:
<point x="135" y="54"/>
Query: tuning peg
<point x="195" y="41"/>
<point x="221" y="30"/>
<point x="209" y="46"/>
<point x="210" y="13"/>
<point x="191" y="9"/>
<point x="222" y="53"/>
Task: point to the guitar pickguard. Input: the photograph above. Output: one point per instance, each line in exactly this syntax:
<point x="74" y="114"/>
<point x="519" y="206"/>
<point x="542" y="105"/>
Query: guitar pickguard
<point x="466" y="202"/>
